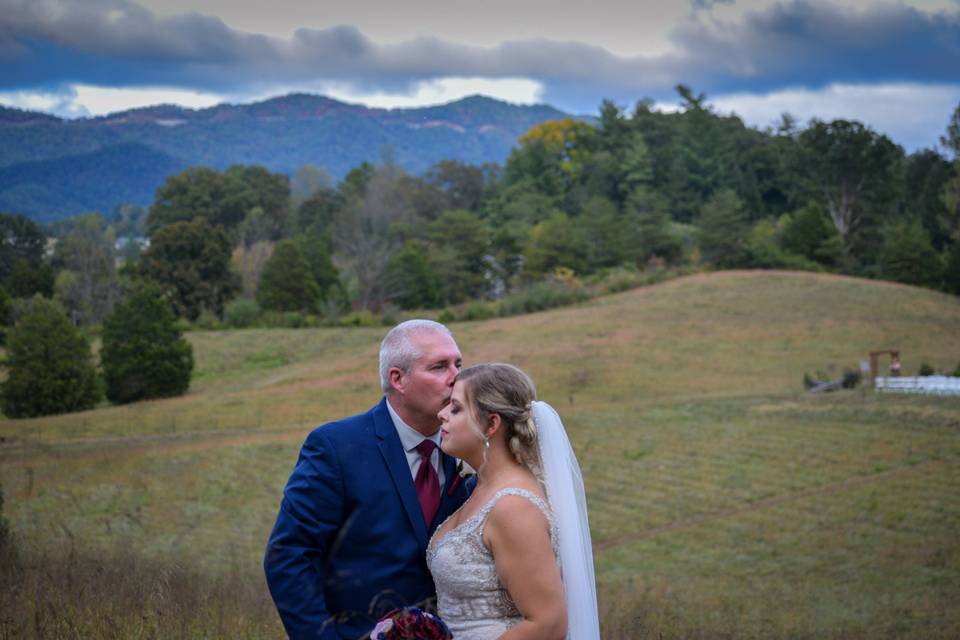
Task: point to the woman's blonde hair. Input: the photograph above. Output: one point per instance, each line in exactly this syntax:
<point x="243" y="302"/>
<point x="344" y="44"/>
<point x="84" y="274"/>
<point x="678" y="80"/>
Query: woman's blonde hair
<point x="504" y="390"/>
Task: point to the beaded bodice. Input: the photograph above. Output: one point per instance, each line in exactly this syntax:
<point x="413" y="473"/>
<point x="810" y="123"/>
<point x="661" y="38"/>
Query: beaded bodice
<point x="470" y="597"/>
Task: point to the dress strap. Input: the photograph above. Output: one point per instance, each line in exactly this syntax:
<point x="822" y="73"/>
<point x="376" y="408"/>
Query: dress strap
<point x="515" y="491"/>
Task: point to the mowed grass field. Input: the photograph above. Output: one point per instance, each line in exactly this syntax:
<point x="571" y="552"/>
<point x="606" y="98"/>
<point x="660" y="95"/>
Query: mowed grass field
<point x="724" y="501"/>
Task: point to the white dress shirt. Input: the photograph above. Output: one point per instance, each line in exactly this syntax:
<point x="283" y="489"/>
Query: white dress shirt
<point x="410" y="439"/>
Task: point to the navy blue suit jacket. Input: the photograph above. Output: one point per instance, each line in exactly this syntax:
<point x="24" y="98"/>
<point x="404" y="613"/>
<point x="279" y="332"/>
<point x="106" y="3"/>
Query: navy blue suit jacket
<point x="349" y="543"/>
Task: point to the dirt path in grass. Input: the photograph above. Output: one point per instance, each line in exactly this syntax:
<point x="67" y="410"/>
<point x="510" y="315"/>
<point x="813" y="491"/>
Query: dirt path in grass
<point x="29" y="454"/>
<point x="713" y="516"/>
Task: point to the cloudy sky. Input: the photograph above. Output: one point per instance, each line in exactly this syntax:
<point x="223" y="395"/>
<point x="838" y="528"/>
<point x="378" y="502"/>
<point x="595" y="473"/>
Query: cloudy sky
<point x="892" y="64"/>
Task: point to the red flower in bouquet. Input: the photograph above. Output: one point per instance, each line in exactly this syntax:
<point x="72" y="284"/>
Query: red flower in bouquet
<point x="410" y="623"/>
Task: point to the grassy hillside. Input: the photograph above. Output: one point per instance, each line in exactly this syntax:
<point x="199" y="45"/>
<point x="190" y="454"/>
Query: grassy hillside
<point x="724" y="502"/>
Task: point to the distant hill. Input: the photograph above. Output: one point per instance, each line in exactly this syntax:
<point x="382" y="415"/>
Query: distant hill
<point x="52" y="168"/>
<point x="49" y="190"/>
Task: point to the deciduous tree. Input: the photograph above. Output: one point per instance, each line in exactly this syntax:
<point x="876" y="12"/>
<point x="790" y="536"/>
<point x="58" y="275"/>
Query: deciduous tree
<point x="852" y="171"/>
<point x="87" y="285"/>
<point x="191" y="262"/>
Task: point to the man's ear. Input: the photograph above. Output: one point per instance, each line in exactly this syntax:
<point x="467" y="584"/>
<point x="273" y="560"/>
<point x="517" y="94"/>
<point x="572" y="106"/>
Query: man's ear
<point x="395" y="376"/>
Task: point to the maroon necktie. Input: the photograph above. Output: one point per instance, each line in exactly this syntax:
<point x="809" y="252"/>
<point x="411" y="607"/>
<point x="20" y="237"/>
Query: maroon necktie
<point x="427" y="483"/>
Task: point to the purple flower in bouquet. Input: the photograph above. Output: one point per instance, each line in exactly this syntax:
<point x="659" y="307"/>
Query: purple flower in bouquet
<point x="410" y="623"/>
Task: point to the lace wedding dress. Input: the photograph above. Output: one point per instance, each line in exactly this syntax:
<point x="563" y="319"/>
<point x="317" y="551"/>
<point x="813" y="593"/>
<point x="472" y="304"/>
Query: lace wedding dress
<point x="470" y="598"/>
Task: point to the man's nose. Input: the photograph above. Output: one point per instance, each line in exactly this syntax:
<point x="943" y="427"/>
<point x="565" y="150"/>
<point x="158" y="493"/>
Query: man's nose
<point x="452" y="372"/>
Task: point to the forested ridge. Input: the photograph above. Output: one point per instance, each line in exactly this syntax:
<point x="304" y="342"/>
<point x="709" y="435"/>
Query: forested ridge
<point x="578" y="207"/>
<point x="52" y="168"/>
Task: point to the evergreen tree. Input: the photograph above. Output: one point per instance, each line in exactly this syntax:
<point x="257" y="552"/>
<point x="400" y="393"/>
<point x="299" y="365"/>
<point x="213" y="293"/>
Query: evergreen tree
<point x="49" y="365"/>
<point x="951" y="269"/>
<point x="144" y="355"/>
<point x="315" y="216"/>
<point x="724" y="228"/>
<point x="907" y="255"/>
<point x="556" y="242"/>
<point x="6" y="308"/>
<point x="411" y="282"/>
<point x="608" y="240"/>
<point x="810" y="234"/>
<point x="22" y="243"/>
<point x="286" y="283"/>
<point x="651" y="222"/>
<point x="459" y="245"/>
<point x="315" y="250"/>
<point x="27" y="281"/>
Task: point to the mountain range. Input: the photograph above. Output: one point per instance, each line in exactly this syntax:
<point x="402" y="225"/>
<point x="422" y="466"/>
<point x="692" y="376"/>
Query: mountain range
<point x="52" y="168"/>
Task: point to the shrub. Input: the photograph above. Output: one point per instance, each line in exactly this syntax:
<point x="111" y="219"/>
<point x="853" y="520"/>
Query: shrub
<point x="207" y="321"/>
<point x="144" y="355"/>
<point x="50" y="368"/>
<point x="4" y="527"/>
<point x="479" y="310"/>
<point x="445" y="316"/>
<point x="293" y="320"/>
<point x="360" y="318"/>
<point x="926" y="370"/>
<point x="241" y="313"/>
<point x="850" y="379"/>
<point x="539" y="296"/>
<point x="621" y="279"/>
<point x="389" y="315"/>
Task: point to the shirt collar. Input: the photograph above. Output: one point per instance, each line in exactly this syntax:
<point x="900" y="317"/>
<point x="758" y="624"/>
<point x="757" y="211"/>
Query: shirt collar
<point x="410" y="438"/>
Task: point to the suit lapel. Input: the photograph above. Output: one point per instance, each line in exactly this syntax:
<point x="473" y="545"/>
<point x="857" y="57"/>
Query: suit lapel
<point x="396" y="461"/>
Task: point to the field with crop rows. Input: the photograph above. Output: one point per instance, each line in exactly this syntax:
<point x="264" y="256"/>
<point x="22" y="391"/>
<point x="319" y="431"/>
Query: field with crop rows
<point x="724" y="500"/>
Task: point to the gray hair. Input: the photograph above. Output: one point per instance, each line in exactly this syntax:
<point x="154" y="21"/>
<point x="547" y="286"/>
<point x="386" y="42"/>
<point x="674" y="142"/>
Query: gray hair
<point x="397" y="350"/>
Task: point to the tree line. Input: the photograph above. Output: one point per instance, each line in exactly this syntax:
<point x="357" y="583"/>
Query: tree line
<point x="575" y="200"/>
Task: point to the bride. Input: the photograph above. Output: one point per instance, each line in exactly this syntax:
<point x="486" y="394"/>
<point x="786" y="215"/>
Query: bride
<point x="515" y="560"/>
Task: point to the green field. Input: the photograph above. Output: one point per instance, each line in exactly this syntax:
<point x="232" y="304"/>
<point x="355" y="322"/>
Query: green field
<point x="724" y="501"/>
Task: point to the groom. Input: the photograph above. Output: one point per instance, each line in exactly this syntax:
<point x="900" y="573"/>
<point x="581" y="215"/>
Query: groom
<point x="350" y="540"/>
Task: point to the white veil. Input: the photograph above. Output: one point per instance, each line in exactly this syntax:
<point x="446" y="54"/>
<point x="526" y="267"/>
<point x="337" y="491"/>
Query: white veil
<point x="563" y="484"/>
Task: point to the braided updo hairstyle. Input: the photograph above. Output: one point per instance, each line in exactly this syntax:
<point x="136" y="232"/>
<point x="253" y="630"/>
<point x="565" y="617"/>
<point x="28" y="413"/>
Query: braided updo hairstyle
<point x="505" y="390"/>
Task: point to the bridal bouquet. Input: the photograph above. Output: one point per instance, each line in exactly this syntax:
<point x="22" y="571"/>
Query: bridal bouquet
<point x="410" y="623"/>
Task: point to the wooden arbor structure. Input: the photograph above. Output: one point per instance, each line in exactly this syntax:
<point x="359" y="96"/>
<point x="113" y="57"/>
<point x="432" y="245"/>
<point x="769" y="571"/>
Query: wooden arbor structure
<point x="875" y="361"/>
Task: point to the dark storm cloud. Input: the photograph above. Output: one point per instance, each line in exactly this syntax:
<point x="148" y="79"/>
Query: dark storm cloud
<point x="46" y="43"/>
<point x="814" y="44"/>
<point x="707" y="4"/>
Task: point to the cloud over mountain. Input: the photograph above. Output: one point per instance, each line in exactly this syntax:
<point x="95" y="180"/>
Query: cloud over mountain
<point x="46" y="43"/>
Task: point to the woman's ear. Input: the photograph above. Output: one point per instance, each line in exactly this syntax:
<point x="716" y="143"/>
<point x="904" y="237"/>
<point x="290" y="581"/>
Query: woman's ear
<point x="494" y="424"/>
